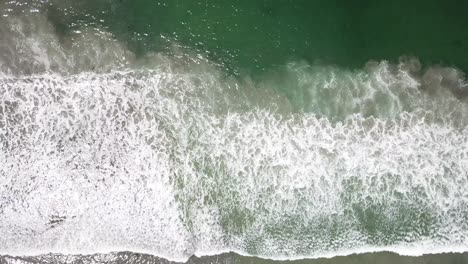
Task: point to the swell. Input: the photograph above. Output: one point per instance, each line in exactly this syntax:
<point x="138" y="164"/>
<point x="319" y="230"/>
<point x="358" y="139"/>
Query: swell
<point x="380" y="89"/>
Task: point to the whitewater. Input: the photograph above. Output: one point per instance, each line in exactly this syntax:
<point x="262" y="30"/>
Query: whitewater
<point x="168" y="154"/>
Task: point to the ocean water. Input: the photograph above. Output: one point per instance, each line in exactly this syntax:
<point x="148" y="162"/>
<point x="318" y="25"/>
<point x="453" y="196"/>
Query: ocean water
<point x="233" y="131"/>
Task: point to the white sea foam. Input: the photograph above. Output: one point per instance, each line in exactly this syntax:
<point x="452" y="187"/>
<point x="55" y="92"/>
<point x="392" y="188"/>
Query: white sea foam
<point x="170" y="156"/>
<point x="145" y="160"/>
<point x="30" y="45"/>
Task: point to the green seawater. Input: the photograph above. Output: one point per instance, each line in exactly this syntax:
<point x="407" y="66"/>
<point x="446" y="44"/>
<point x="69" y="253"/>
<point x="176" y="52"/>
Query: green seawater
<point x="257" y="35"/>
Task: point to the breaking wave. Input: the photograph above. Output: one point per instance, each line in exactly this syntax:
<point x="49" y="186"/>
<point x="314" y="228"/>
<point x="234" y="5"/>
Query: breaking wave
<point x="168" y="154"/>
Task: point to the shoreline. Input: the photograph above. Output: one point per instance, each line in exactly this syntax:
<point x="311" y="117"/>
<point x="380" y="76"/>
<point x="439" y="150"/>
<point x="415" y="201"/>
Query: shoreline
<point x="130" y="257"/>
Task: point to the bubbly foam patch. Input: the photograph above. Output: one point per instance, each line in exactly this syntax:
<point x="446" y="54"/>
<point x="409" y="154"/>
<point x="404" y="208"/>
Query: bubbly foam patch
<point x="30" y="45"/>
<point x="161" y="161"/>
<point x="381" y="89"/>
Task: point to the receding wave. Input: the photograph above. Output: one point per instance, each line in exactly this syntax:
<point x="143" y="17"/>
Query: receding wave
<point x="167" y="154"/>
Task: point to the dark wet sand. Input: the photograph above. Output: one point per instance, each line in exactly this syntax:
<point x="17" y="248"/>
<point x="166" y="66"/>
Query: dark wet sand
<point x="126" y="257"/>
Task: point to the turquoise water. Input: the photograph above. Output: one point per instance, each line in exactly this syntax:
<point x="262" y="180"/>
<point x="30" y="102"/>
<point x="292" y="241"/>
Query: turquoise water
<point x="279" y="130"/>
